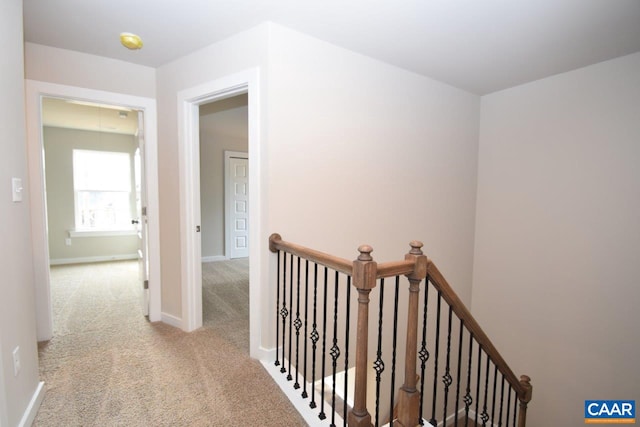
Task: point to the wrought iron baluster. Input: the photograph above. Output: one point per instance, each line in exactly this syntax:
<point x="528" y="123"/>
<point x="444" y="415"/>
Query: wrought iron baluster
<point x="515" y="411"/>
<point x="501" y="401"/>
<point x="493" y="398"/>
<point x="393" y="353"/>
<point x="478" y="384"/>
<point x="289" y="377"/>
<point x="277" y="363"/>
<point x="346" y="351"/>
<point x="298" y="324"/>
<point x="378" y="365"/>
<point x="335" y="350"/>
<point x="459" y="374"/>
<point x="485" y="416"/>
<point x="423" y="353"/>
<point x="314" y="336"/>
<point x="468" y="400"/>
<point x="322" y="415"/>
<point x="433" y="420"/>
<point x="446" y="378"/>
<point x="306" y="314"/>
<point x="509" y="405"/>
<point x="284" y="312"/>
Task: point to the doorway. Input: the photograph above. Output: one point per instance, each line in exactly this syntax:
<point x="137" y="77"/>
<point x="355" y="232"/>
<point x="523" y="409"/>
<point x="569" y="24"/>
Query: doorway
<point x="37" y="92"/>
<point x="223" y="131"/>
<point x="189" y="101"/>
<point x="95" y="188"/>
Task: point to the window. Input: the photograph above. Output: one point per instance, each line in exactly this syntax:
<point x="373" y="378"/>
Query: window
<point x="102" y="186"/>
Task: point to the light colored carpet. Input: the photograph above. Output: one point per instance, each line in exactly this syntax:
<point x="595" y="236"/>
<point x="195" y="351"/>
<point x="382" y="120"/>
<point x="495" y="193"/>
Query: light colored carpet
<point x="108" y="366"/>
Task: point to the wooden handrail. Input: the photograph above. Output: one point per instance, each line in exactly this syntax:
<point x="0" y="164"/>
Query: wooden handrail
<point x="449" y="295"/>
<point x="416" y="266"/>
<point x="339" y="264"/>
<point x="396" y="268"/>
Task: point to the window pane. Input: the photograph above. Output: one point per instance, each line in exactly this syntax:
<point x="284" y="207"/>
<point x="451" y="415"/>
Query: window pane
<point x="102" y="185"/>
<point x="103" y="210"/>
<point x="101" y="171"/>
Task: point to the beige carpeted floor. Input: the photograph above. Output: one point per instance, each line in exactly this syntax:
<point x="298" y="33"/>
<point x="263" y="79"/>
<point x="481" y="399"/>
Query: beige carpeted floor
<point x="108" y="366"/>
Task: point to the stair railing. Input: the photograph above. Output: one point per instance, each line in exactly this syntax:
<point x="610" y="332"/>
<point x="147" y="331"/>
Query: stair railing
<point x="308" y="274"/>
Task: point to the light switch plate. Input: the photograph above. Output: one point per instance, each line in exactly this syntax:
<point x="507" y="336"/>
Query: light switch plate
<point x="16" y="189"/>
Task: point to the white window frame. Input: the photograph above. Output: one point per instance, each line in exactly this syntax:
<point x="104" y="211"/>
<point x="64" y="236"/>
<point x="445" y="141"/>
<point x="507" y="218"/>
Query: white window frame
<point x="123" y="228"/>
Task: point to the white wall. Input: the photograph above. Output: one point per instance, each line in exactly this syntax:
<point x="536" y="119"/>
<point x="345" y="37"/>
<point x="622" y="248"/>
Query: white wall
<point x="66" y="67"/>
<point x="363" y="152"/>
<point x="17" y="304"/>
<point x="238" y="53"/>
<point x="558" y="235"/>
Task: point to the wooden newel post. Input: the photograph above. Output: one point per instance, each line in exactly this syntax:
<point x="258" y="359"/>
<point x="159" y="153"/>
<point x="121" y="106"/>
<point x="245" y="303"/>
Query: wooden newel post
<point x="525" y="381"/>
<point x="408" y="396"/>
<point x="364" y="279"/>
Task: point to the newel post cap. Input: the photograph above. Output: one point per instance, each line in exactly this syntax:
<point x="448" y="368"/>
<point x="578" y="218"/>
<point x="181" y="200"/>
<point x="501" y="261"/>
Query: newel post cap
<point x="416" y="247"/>
<point x="365" y="253"/>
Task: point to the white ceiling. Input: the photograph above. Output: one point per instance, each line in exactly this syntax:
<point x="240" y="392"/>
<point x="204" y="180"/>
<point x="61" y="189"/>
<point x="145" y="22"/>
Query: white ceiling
<point x="480" y="46"/>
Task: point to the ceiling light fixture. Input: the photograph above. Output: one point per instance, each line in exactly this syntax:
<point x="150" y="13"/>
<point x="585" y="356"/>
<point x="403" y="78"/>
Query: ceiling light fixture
<point x="131" y="41"/>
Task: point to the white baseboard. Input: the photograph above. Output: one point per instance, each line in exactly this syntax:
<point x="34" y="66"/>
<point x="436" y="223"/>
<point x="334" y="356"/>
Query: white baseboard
<point x="170" y="319"/>
<point x="214" y="258"/>
<point x="32" y="409"/>
<point x="295" y="397"/>
<point x="90" y="259"/>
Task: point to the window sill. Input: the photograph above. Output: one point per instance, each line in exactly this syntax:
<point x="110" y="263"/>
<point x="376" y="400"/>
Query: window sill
<point x="102" y="233"/>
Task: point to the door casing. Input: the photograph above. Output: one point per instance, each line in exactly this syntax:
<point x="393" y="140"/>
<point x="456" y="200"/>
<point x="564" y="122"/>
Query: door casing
<point x="35" y="91"/>
<point x="189" y="101"/>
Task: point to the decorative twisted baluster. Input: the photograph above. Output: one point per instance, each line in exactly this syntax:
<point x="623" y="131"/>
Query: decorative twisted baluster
<point x="433" y="420"/>
<point x="493" y="398"/>
<point x="509" y="393"/>
<point x="393" y="346"/>
<point x="289" y="377"/>
<point x="501" y="402"/>
<point x="484" y="416"/>
<point x="314" y="336"/>
<point x="284" y="312"/>
<point x="322" y="415"/>
<point x="378" y="365"/>
<point x="346" y="350"/>
<point x="423" y="354"/>
<point x="459" y="374"/>
<point x="277" y="363"/>
<point x="297" y="324"/>
<point x="468" y="400"/>
<point x="335" y="350"/>
<point x="446" y="378"/>
<point x="306" y="313"/>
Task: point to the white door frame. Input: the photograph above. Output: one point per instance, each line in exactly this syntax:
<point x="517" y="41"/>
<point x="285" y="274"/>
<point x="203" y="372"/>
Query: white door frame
<point x="189" y="101"/>
<point x="228" y="206"/>
<point x="35" y="90"/>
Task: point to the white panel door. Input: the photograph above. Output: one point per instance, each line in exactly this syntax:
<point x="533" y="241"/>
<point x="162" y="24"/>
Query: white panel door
<point x="237" y="201"/>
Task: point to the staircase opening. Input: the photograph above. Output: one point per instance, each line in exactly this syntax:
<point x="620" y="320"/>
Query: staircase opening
<point x="368" y="344"/>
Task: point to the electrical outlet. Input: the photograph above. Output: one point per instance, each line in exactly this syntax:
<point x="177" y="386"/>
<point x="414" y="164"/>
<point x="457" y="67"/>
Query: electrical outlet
<point x="67" y="241"/>
<point x="16" y="361"/>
